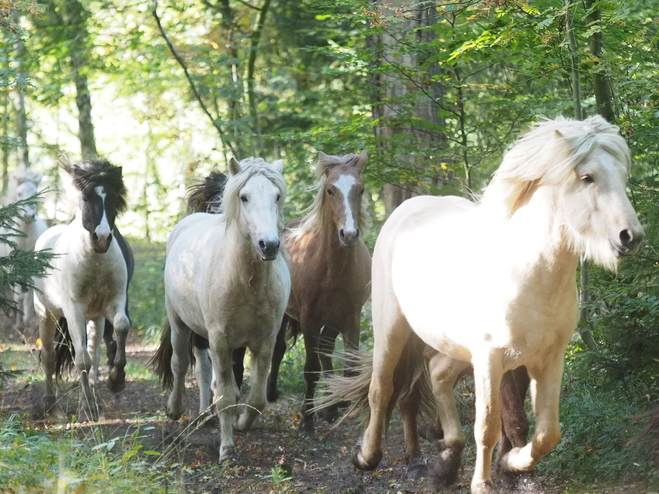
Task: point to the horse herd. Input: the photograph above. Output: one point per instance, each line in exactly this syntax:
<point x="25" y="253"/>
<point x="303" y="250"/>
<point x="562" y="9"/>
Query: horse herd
<point x="455" y="284"/>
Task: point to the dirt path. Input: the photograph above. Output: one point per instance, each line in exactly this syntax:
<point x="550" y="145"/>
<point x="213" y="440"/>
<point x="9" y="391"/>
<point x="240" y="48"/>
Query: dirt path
<point x="320" y="464"/>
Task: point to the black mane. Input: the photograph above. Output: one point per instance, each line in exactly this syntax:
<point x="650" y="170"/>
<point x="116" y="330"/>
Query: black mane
<point x="206" y="196"/>
<point x="98" y="172"/>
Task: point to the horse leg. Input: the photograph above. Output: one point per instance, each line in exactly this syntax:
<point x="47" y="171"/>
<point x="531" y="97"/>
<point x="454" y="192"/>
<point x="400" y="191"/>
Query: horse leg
<point x="47" y="329"/>
<point x="487" y="426"/>
<point x="227" y="392"/>
<point x="311" y="373"/>
<point x="110" y="344"/>
<point x="514" y="385"/>
<point x="203" y="371"/>
<point x="75" y="317"/>
<point x="326" y="343"/>
<point x="121" y="324"/>
<point x="256" y="401"/>
<point x="409" y="410"/>
<point x="94" y="336"/>
<point x="180" y="340"/>
<point x="391" y="331"/>
<point x="277" y="356"/>
<point x="444" y="372"/>
<point x="545" y="391"/>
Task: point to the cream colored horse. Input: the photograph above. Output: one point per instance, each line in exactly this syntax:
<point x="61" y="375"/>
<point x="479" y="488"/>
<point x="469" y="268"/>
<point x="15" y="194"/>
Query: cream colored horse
<point x="227" y="280"/>
<point x="493" y="284"/>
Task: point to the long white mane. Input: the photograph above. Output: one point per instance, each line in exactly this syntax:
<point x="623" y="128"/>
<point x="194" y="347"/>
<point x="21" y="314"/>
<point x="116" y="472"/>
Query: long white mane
<point x="315" y="217"/>
<point x="250" y="167"/>
<point x="547" y="155"/>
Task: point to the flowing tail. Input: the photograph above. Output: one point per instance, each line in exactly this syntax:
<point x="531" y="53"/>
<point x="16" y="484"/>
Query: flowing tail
<point x="161" y="362"/>
<point x="411" y="375"/>
<point x="64" y="352"/>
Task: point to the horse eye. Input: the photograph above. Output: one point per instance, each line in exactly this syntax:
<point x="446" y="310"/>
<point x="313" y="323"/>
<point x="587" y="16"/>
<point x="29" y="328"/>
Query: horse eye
<point x="329" y="191"/>
<point x="243" y="198"/>
<point x="361" y="192"/>
<point x="587" y="179"/>
<point x="278" y="197"/>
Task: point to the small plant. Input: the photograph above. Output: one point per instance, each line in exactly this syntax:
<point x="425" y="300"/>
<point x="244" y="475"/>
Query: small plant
<point x="280" y="475"/>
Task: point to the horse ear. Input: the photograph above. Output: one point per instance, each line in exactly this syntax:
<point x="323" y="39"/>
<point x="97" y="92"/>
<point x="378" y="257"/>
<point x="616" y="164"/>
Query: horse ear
<point x="234" y="167"/>
<point x="37" y="178"/>
<point x="278" y="166"/>
<point x="558" y="134"/>
<point x="361" y="161"/>
<point x="324" y="164"/>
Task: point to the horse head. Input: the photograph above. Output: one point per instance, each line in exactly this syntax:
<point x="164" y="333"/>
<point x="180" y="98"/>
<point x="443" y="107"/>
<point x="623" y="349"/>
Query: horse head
<point x="343" y="191"/>
<point x="26" y="184"/>
<point x="101" y="189"/>
<point x="254" y="195"/>
<point x="583" y="166"/>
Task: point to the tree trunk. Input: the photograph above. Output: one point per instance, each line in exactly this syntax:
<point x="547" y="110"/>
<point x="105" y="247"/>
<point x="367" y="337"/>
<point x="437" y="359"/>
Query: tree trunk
<point x="601" y="82"/>
<point x="394" y="87"/>
<point x="76" y="17"/>
<point x="19" y="103"/>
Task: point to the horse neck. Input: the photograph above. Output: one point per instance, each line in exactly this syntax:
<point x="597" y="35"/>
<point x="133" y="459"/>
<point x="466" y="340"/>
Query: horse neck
<point x="241" y="259"/>
<point x="32" y="232"/>
<point x="541" y="250"/>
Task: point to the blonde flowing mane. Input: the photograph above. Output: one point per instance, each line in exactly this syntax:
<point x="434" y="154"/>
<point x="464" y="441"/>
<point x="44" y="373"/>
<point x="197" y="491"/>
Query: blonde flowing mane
<point x="315" y="217"/>
<point x="249" y="168"/>
<point x="547" y="155"/>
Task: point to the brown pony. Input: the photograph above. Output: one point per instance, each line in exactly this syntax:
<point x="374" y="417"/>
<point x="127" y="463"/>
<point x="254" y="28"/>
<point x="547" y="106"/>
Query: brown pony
<point x="331" y="275"/>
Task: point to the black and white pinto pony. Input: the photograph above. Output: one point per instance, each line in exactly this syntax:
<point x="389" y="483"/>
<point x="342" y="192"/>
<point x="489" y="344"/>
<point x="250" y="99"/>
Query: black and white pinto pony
<point x="227" y="280"/>
<point x="24" y="184"/>
<point x="88" y="281"/>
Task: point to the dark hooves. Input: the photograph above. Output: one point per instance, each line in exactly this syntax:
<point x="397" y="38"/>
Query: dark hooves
<point x="330" y="415"/>
<point x="273" y="395"/>
<point x="417" y="469"/>
<point x="117" y="379"/>
<point x="306" y="430"/>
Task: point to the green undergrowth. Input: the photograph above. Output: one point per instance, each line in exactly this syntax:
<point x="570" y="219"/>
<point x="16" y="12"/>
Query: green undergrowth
<point x="36" y="460"/>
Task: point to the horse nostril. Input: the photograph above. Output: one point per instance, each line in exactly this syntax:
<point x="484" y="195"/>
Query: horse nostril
<point x="261" y="245"/>
<point x="626" y="237"/>
<point x="342" y="234"/>
<point x="94" y="237"/>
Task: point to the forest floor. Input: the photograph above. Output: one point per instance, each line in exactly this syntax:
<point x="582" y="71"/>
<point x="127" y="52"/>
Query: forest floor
<point x="320" y="464"/>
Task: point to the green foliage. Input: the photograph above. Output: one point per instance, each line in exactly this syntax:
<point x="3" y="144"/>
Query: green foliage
<point x="38" y="461"/>
<point x="17" y="267"/>
<point x="146" y="293"/>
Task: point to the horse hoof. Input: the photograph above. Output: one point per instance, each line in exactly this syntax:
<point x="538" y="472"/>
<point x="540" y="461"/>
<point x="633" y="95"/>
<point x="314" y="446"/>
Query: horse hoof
<point x="329" y="414"/>
<point x="482" y="488"/>
<point x="273" y="395"/>
<point x="227" y="454"/>
<point x="117" y="379"/>
<point x="359" y="461"/>
<point x="417" y="469"/>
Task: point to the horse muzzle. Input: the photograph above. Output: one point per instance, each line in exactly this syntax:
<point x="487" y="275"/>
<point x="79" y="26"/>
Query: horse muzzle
<point x="101" y="243"/>
<point x="628" y="242"/>
<point x="348" y="237"/>
<point x="268" y="249"/>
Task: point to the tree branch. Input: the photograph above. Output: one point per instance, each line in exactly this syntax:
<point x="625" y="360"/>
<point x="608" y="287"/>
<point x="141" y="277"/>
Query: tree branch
<point x="193" y="87"/>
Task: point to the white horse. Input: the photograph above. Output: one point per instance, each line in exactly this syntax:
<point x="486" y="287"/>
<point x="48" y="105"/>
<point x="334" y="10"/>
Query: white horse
<point x="493" y="284"/>
<point x="24" y="183"/>
<point x="224" y="281"/>
<point x="88" y="279"/>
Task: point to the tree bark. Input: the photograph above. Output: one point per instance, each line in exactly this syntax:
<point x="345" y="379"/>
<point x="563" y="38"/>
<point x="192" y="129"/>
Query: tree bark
<point x="396" y="86"/>
<point x="19" y="103"/>
<point x="76" y="18"/>
<point x="601" y="81"/>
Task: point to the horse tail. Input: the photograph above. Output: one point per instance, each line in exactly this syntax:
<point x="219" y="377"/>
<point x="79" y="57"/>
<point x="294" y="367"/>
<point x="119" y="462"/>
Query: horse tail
<point x="161" y="362"/>
<point x="411" y="376"/>
<point x="64" y="350"/>
<point x="206" y="196"/>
